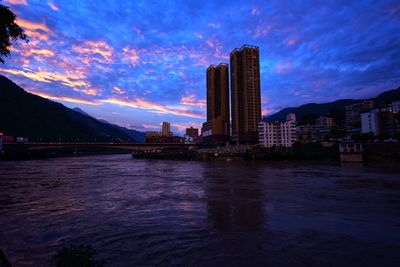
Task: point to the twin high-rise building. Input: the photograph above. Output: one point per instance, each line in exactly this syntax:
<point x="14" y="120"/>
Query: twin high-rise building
<point x="245" y="94"/>
<point x="217" y="129"/>
<point x="245" y="99"/>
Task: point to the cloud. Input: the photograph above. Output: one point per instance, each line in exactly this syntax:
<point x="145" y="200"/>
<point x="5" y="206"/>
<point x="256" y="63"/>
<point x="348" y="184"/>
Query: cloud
<point x="283" y="67"/>
<point x="91" y="49"/>
<point x="131" y="55"/>
<point x="150" y="126"/>
<point x="255" y="11"/>
<point x="35" y="30"/>
<point x="214" y="25"/>
<point x="53" y="6"/>
<point x="154" y="107"/>
<point x="30" y="25"/>
<point x="67" y="99"/>
<point x="68" y="79"/>
<point x="193" y="102"/>
<point x="17" y="2"/>
<point x="117" y="91"/>
<point x="184" y="125"/>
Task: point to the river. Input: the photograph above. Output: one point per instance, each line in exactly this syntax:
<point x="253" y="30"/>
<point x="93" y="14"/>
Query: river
<point x="192" y="213"/>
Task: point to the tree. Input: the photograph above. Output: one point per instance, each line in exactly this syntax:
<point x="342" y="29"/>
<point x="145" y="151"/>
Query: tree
<point x="9" y="31"/>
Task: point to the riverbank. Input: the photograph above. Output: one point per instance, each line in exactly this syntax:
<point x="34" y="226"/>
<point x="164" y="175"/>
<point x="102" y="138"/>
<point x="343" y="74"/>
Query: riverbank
<point x="245" y="152"/>
<point x="21" y="152"/>
<point x="373" y="152"/>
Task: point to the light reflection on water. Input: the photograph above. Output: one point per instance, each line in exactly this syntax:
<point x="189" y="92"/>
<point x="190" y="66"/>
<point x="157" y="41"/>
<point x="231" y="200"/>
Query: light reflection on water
<point x="136" y="212"/>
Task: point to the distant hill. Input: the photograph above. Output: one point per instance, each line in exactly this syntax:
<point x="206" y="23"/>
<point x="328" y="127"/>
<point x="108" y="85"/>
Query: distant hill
<point x="25" y="114"/>
<point x="308" y="112"/>
<point x="81" y="111"/>
<point x="388" y="96"/>
<point x="138" y="136"/>
<point x="134" y="134"/>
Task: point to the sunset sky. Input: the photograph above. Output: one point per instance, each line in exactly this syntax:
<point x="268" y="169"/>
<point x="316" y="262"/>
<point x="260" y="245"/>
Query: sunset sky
<point x="138" y="63"/>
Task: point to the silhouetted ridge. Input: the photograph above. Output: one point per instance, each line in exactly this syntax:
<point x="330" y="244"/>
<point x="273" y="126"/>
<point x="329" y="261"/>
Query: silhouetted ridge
<point x="25" y="114"/>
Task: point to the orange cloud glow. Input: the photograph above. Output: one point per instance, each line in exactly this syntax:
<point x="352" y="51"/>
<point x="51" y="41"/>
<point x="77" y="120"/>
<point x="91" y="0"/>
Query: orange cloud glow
<point x="117" y="90"/>
<point x="67" y="99"/>
<point x="149" y="126"/>
<point x="183" y="126"/>
<point x="192" y="101"/>
<point x="131" y="54"/>
<point x="143" y="104"/>
<point x="43" y="52"/>
<point x="17" y="2"/>
<point x="95" y="47"/>
<point x="32" y="25"/>
<point x="69" y="79"/>
<point x="40" y="31"/>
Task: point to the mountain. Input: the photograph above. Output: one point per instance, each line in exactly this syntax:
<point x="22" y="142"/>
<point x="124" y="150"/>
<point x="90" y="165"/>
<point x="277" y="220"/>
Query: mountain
<point x="81" y="111"/>
<point x="388" y="96"/>
<point x="309" y="112"/>
<point x="25" y="114"/>
<point x="134" y="134"/>
<point x="139" y="137"/>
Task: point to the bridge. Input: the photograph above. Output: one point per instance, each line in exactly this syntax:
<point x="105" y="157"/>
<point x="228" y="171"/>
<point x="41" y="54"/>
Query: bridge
<point x="76" y="146"/>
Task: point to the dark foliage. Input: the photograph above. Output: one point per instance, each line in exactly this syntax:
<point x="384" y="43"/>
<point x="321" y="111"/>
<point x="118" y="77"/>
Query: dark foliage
<point x="334" y="109"/>
<point x="3" y="260"/>
<point x="76" y="256"/>
<point x="337" y="133"/>
<point x="25" y="114"/>
<point x="9" y="31"/>
<point x="313" y="110"/>
<point x="388" y="97"/>
<point x="307" y="119"/>
<point x="363" y="137"/>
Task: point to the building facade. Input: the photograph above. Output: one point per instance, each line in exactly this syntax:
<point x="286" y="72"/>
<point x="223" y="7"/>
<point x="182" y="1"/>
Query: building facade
<point x="245" y="94"/>
<point x="382" y="121"/>
<point x="307" y="133"/>
<point x="280" y="134"/>
<point x="152" y="136"/>
<point x="217" y="128"/>
<point x="166" y="129"/>
<point x="323" y="126"/>
<point x="353" y="115"/>
<point x="192" y="132"/>
<point x="396" y="106"/>
<point x="369" y="122"/>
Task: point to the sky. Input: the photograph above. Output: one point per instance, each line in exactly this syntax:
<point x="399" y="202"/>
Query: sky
<point x="138" y="63"/>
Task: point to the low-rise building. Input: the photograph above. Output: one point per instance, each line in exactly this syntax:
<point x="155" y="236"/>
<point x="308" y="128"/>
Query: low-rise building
<point x="353" y="115"/>
<point x="192" y="132"/>
<point x="380" y="121"/>
<point x="396" y="106"/>
<point x="278" y="133"/>
<point x="191" y="135"/>
<point x="369" y="122"/>
<point x="307" y="133"/>
<point x="152" y="136"/>
<point x="323" y="126"/>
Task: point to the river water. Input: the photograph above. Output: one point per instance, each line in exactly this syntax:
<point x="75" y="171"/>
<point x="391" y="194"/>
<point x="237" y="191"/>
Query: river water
<point x="191" y="213"/>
